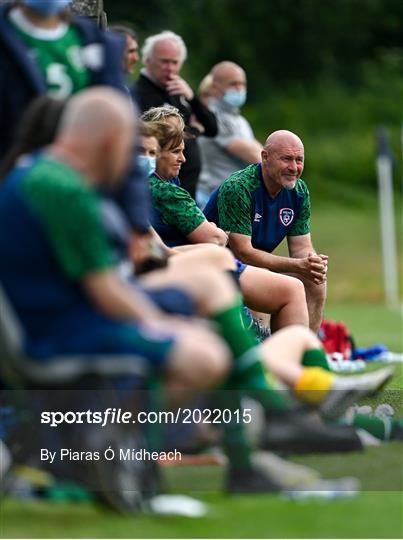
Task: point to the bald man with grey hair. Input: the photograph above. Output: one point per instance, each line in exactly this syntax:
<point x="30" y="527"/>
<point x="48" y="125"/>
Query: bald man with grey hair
<point x="266" y="202"/>
<point x="235" y="145"/>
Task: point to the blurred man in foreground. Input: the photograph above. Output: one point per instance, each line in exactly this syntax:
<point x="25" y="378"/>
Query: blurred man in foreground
<point x="71" y="301"/>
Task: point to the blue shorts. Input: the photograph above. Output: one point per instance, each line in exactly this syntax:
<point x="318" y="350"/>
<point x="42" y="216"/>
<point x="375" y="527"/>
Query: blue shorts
<point x="104" y="345"/>
<point x="240" y="267"/>
<point x="92" y="339"/>
<point x="172" y="300"/>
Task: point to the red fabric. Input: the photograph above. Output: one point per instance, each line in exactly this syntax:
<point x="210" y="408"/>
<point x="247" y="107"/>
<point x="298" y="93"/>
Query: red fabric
<point x="336" y="337"/>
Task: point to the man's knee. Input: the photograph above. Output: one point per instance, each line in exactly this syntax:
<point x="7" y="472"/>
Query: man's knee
<point x="210" y="287"/>
<point x="219" y="256"/>
<point x="297" y="290"/>
<point x="209" y="254"/>
<point x="292" y="291"/>
<point x="299" y="335"/>
<point x="315" y="293"/>
<point x="305" y="336"/>
<point x="201" y="360"/>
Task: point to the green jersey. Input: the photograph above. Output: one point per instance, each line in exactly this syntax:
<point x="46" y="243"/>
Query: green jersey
<point x="68" y="210"/>
<point x="243" y="205"/>
<point x="175" y="214"/>
<point x="58" y="53"/>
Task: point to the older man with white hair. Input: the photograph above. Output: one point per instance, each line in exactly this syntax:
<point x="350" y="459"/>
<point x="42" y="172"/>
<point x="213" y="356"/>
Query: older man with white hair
<point x="160" y="84"/>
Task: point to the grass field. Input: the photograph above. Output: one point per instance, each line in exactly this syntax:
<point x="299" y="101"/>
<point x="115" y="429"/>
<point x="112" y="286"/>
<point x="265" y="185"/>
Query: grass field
<point x="376" y="513"/>
<point x="350" y="236"/>
<point x="371" y="515"/>
<point x="370" y="323"/>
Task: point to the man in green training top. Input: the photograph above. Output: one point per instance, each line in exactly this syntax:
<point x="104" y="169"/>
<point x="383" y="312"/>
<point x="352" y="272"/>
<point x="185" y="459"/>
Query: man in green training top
<point x="265" y="203"/>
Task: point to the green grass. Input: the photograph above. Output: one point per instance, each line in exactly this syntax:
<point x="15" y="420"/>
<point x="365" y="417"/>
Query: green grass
<point x="370" y="323"/>
<point x="372" y="515"/>
<point x="350" y="236"/>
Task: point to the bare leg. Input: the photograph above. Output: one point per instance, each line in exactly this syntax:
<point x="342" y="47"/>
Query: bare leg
<point x="219" y="257"/>
<point x="282" y="296"/>
<point x="282" y="353"/>
<point x="315" y="299"/>
<point x="210" y="289"/>
<point x="199" y="360"/>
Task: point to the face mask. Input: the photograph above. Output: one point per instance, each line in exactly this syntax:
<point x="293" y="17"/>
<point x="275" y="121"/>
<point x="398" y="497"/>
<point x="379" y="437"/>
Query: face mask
<point x="148" y="164"/>
<point x="47" y="7"/>
<point x="234" y="98"/>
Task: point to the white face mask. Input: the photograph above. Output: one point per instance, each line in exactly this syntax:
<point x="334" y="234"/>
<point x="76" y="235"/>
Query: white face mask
<point x="234" y="98"/>
<point x="148" y="164"/>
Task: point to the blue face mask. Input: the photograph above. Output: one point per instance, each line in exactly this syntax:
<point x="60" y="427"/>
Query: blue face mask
<point x="234" y="98"/>
<point x="47" y="7"/>
<point x="147" y="163"/>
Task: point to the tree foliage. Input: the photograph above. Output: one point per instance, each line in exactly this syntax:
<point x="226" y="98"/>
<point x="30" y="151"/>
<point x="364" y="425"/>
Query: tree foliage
<point x="279" y="42"/>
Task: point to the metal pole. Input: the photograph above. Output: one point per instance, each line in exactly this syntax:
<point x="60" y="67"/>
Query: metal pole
<point x="387" y="218"/>
<point x="94" y="9"/>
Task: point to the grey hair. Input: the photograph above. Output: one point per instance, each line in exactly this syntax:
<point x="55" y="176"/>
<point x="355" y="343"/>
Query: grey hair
<point x="123" y="30"/>
<point x="151" y="41"/>
<point x="160" y="114"/>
